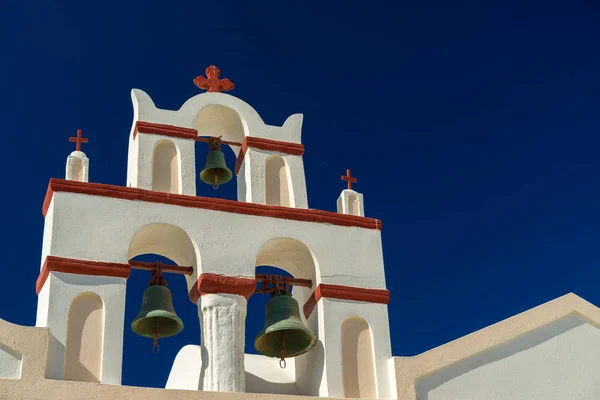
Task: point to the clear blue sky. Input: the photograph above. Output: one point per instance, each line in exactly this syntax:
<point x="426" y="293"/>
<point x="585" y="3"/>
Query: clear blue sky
<point x="473" y="131"/>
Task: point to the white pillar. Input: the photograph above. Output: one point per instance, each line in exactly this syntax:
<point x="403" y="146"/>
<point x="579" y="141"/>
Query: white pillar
<point x="77" y="167"/>
<point x="223" y="323"/>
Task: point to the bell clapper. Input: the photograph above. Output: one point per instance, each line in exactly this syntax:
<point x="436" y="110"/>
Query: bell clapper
<point x="282" y="363"/>
<point x="216" y="184"/>
<point x="155" y="347"/>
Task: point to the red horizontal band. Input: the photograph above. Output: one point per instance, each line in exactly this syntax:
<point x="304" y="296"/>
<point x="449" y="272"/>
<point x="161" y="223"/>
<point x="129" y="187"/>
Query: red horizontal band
<point x="165" y="130"/>
<point x="380" y="296"/>
<point x="80" y="267"/>
<point x="295" y="149"/>
<point x="231" y="206"/>
<point x="213" y="284"/>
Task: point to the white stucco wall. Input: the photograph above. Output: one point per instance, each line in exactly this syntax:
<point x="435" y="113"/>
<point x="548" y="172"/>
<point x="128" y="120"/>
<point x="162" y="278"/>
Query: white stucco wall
<point x="254" y="175"/>
<point x="241" y="121"/>
<point x="555" y="362"/>
<point x="264" y="375"/>
<point x="226" y="243"/>
<point x="10" y="363"/>
<point x="54" y="302"/>
<point x="77" y="168"/>
<point x="145" y="110"/>
<point x="186" y="370"/>
<point x="332" y="312"/>
<point x="345" y="206"/>
<point x="141" y="162"/>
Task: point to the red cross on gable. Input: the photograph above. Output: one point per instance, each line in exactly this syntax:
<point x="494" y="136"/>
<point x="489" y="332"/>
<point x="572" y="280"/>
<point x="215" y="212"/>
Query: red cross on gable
<point x="79" y="139"/>
<point x="349" y="178"/>
<point x="212" y="83"/>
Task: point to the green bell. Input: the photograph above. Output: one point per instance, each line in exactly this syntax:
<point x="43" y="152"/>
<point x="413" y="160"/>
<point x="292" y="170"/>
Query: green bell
<point x="157" y="318"/>
<point x="216" y="172"/>
<point x="284" y="334"/>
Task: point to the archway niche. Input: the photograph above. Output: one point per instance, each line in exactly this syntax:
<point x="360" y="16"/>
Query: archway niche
<point x="170" y="245"/>
<point x="85" y="338"/>
<point x="288" y="257"/>
<point x="76" y="169"/>
<point x="277" y="182"/>
<point x="168" y="241"/>
<point x="357" y="359"/>
<point x="166" y="169"/>
<point x="216" y="120"/>
<point x="293" y="257"/>
<point x="353" y="205"/>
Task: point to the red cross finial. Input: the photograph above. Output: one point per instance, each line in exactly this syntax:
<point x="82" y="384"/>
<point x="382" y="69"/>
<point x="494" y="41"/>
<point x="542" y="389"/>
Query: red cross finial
<point x="212" y="83"/>
<point x="79" y="139"/>
<point x="349" y="178"/>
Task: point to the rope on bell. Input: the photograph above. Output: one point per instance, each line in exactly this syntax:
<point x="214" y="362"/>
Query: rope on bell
<point x="214" y="142"/>
<point x="157" y="275"/>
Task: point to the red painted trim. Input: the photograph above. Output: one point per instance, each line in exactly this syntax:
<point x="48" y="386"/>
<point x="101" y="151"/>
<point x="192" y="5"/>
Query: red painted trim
<point x="294" y="149"/>
<point x="240" y="157"/>
<point x="380" y="296"/>
<point x="81" y="267"/>
<point x="165" y="130"/>
<point x="231" y="206"/>
<point x="213" y="283"/>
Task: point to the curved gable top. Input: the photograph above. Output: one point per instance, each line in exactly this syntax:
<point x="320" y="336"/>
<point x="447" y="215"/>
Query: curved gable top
<point x="410" y="369"/>
<point x="145" y="110"/>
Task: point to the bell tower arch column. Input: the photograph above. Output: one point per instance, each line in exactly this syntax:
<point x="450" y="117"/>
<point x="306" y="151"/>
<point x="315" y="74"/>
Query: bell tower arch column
<point x="222" y="303"/>
<point x="257" y="179"/>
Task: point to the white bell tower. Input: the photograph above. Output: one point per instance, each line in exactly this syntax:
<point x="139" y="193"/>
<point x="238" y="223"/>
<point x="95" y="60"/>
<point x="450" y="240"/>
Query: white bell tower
<point x="92" y="232"/>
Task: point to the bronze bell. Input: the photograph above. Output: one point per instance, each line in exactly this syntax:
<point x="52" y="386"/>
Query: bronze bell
<point x="157" y="318"/>
<point x="284" y="335"/>
<point x="215" y="171"/>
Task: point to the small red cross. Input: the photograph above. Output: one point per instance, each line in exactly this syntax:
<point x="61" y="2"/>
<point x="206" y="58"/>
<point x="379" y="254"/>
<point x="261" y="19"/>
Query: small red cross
<point x="79" y="139"/>
<point x="349" y="178"/>
<point x="212" y="83"/>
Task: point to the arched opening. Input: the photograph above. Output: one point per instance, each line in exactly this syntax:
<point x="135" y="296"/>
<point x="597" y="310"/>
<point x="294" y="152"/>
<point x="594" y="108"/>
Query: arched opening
<point x="287" y="257"/>
<point x="218" y="120"/>
<point x="353" y="205"/>
<point x="85" y="336"/>
<point x="165" y="168"/>
<point x="357" y="359"/>
<point x="213" y="121"/>
<point x="170" y="245"/>
<point x="277" y="182"/>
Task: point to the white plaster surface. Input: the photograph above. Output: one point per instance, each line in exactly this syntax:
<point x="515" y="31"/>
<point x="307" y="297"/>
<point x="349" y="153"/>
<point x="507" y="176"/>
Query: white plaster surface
<point x="187" y="368"/>
<point x="331" y="314"/>
<point x="53" y="312"/>
<point x="264" y="375"/>
<point x="345" y="206"/>
<point x="77" y="167"/>
<point x="223" y="329"/>
<point x="145" y="110"/>
<point x="11" y="363"/>
<point x="557" y="361"/>
<point x="216" y="114"/>
<point x="255" y="162"/>
<point x="140" y="163"/>
<point x="225" y="243"/>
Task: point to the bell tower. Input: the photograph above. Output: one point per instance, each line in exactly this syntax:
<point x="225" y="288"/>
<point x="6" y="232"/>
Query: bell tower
<point x="80" y="300"/>
<point x="326" y="323"/>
